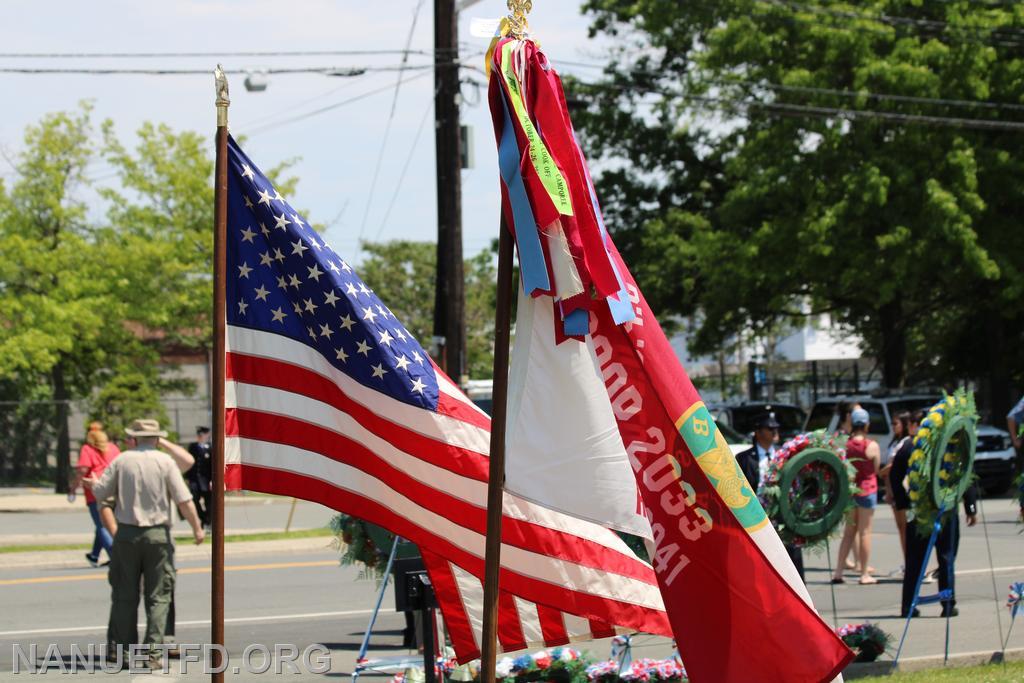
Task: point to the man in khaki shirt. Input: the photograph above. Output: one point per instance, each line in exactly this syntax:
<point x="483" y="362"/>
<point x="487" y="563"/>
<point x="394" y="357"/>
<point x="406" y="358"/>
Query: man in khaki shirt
<point x="146" y="487"/>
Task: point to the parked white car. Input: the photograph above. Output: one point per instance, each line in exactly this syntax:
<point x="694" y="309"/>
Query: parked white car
<point x="993" y="460"/>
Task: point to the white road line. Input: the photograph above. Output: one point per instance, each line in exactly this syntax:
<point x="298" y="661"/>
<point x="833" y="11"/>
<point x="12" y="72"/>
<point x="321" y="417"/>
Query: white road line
<point x="986" y="570"/>
<point x="196" y="622"/>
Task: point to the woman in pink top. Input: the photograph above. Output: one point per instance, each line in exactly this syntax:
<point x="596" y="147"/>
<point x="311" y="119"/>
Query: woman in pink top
<point x="864" y="455"/>
<point x="97" y="452"/>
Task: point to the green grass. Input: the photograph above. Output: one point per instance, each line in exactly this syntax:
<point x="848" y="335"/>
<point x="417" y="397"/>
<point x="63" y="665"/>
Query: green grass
<point x="990" y="673"/>
<point x="182" y="539"/>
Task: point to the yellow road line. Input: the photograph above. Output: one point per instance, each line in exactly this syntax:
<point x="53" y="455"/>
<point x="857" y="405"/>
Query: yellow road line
<point x="187" y="570"/>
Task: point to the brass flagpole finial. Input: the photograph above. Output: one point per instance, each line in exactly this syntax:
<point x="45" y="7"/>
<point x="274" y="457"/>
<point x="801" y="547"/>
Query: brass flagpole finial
<point x="519" y="27"/>
<point x="221" y="84"/>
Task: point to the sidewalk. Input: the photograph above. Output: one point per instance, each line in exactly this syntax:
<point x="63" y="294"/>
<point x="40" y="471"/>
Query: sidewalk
<point x="25" y="499"/>
<point x="71" y="559"/>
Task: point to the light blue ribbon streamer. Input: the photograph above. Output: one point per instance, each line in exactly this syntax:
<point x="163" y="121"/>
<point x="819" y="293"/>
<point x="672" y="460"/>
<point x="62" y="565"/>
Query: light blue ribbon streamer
<point x="532" y="265"/>
<point x="621" y="309"/>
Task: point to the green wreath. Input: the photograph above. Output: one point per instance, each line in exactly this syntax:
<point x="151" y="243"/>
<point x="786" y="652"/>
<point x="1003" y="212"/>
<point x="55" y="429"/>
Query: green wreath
<point x="806" y="490"/>
<point x="942" y="462"/>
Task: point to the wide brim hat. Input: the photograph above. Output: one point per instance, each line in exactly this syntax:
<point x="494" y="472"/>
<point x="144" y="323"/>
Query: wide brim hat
<point x="145" y="428"/>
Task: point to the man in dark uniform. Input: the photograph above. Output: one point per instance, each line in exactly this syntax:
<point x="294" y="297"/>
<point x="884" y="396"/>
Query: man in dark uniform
<point x="946" y="543"/>
<point x="200" y="476"/>
<point x="753" y="463"/>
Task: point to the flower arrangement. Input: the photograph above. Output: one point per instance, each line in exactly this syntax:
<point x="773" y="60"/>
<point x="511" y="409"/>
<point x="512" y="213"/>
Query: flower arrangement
<point x="639" y="670"/>
<point x="817" y="488"/>
<point x="867" y="639"/>
<point x="953" y="472"/>
<point x="1015" y="603"/>
<point x="560" y="665"/>
<point x="358" y="547"/>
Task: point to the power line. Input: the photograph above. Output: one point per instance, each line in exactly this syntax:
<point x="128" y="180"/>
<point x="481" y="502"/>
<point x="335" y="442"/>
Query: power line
<point x="789" y="109"/>
<point x="988" y="36"/>
<point x="387" y="128"/>
<point x="327" y="71"/>
<point x="890" y="19"/>
<point x="401" y="176"/>
<point x="853" y="94"/>
<point x="355" y="80"/>
<point x="330" y="107"/>
<point x="209" y="55"/>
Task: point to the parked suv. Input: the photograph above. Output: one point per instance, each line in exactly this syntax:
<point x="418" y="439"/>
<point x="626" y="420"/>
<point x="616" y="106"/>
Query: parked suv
<point x="993" y="460"/>
<point x="741" y="416"/>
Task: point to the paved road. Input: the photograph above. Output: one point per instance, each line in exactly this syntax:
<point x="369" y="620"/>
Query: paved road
<point x="74" y="523"/>
<point x="307" y="598"/>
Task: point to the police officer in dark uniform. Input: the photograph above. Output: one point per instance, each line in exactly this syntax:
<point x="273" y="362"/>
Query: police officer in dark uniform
<point x="200" y="476"/>
<point x="946" y="543"/>
<point x="753" y="463"/>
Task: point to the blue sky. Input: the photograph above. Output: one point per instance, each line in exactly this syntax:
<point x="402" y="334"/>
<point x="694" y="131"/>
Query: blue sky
<point x="338" y="149"/>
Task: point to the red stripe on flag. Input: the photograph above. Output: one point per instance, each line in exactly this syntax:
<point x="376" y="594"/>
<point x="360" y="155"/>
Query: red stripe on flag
<point x="290" y="431"/>
<point x="601" y="629"/>
<point x="298" y="380"/>
<point x="453" y="608"/>
<point x="587" y="605"/>
<point x="552" y="625"/>
<point x="510" y="631"/>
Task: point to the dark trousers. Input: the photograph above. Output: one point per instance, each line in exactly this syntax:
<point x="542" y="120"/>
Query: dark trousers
<point x="797" y="556"/>
<point x="202" y="500"/>
<point x="945" y="552"/>
<point x="142" y="555"/>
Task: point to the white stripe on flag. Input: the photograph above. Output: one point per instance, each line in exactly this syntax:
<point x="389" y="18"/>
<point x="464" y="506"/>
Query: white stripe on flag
<point x="546" y="568"/>
<point x="428" y="423"/>
<point x="472" y="593"/>
<point x="529" y="620"/>
<point x="443" y="429"/>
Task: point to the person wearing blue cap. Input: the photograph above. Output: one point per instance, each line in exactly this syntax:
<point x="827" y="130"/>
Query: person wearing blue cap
<point x="864" y="454"/>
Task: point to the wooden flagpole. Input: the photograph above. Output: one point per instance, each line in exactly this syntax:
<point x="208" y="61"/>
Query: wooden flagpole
<point x="518" y="28"/>
<point x="220" y="232"/>
<point x="496" y="475"/>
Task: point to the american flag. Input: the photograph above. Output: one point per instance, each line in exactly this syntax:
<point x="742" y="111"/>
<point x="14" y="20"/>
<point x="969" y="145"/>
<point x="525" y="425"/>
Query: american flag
<point x="330" y="399"/>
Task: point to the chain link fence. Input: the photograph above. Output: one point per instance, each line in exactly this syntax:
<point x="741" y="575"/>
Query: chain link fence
<point x="28" y="434"/>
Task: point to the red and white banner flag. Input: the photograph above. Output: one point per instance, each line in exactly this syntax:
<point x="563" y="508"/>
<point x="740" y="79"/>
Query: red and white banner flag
<point x="737" y="606"/>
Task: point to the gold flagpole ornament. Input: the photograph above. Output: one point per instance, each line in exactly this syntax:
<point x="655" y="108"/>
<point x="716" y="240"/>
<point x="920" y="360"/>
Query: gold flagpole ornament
<point x="221" y="82"/>
<point x="519" y="27"/>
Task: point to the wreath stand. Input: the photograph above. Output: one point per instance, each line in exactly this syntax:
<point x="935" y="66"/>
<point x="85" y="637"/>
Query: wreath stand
<point x="946" y="499"/>
<point x="361" y="663"/>
<point x="919" y="599"/>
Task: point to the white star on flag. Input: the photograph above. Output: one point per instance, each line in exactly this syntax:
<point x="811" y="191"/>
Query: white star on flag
<point x="417" y="385"/>
<point x="279" y="315"/>
<point x="248" y="234"/>
<point x="379" y="371"/>
<point x="330" y="297"/>
<point x="261" y="293"/>
<point x="282" y="221"/>
<point x="264" y="197"/>
<point x="298" y="247"/>
<point x="244" y="270"/>
<point x="347" y="322"/>
<point x="242" y="306"/>
<point x="314" y="273"/>
<point x="364" y="348"/>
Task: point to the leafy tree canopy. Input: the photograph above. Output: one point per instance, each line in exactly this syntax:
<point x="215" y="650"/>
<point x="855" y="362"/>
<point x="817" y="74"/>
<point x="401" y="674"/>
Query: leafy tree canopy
<point x="768" y="159"/>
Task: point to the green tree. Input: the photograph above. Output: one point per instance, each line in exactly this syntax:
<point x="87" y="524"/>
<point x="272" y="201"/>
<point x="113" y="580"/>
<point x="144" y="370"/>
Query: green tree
<point x="785" y="159"/>
<point x="402" y="273"/>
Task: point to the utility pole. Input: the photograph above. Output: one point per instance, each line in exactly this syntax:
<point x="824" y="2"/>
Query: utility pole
<point x="449" y="294"/>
